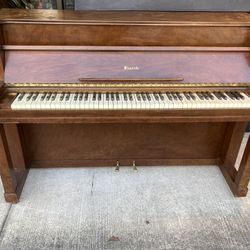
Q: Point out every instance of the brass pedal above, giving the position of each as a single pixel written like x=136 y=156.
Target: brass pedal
x=117 y=168
x=134 y=166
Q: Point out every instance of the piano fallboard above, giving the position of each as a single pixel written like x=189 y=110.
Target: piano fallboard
x=70 y=66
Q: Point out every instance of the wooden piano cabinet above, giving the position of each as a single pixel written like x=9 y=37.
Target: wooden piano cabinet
x=237 y=180
x=148 y=144
x=63 y=47
x=12 y=167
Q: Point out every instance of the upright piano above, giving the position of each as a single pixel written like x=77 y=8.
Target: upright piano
x=86 y=88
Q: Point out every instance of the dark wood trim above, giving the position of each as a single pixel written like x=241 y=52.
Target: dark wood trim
x=12 y=180
x=15 y=146
x=8 y=177
x=123 y=48
x=124 y=116
x=233 y=139
x=243 y=175
x=123 y=162
x=1 y=56
x=237 y=180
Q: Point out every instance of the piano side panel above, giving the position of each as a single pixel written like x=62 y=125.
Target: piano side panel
x=1 y=56
x=126 y=35
x=52 y=145
x=69 y=66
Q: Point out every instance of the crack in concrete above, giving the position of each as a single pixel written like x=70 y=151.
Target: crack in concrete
x=92 y=184
x=4 y=223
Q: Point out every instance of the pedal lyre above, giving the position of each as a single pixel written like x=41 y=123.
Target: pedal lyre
x=134 y=166
x=117 y=168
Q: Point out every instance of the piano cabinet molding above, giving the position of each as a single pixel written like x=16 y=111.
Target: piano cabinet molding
x=1 y=57
x=13 y=179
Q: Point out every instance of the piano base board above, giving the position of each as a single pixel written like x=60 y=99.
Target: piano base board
x=158 y=144
x=122 y=163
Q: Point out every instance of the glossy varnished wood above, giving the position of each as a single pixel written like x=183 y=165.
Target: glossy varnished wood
x=125 y=28
x=243 y=175
x=70 y=66
x=83 y=144
x=1 y=57
x=12 y=179
x=15 y=147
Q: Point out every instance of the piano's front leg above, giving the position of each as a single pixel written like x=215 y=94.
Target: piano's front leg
x=237 y=180
x=12 y=165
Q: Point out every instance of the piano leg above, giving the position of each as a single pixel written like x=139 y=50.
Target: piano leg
x=237 y=179
x=12 y=165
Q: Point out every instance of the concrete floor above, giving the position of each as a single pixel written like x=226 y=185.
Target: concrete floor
x=154 y=208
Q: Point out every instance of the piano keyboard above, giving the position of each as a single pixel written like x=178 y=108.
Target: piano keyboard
x=139 y=100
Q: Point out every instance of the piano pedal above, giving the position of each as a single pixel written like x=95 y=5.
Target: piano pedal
x=117 y=168
x=135 y=167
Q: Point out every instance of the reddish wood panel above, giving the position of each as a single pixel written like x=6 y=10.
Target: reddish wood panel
x=1 y=57
x=15 y=147
x=124 y=35
x=73 y=143
x=69 y=66
x=243 y=176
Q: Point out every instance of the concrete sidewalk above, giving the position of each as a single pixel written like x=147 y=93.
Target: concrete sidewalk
x=154 y=208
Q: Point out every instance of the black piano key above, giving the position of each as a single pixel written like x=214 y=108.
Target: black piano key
x=43 y=96
x=20 y=97
x=86 y=97
x=62 y=96
x=218 y=95
x=138 y=96
x=94 y=97
x=224 y=97
x=99 y=96
x=235 y=95
x=29 y=96
x=148 y=96
x=117 y=96
x=53 y=97
x=161 y=96
x=240 y=95
x=34 y=97
x=107 y=96
x=230 y=95
x=67 y=96
x=156 y=96
x=188 y=97
x=143 y=97
x=169 y=96
x=130 y=96
x=112 y=95
x=179 y=96
x=201 y=97
x=80 y=97
x=125 y=96
x=174 y=96
x=210 y=95
x=48 y=96
x=205 y=95
x=192 y=95
x=75 y=96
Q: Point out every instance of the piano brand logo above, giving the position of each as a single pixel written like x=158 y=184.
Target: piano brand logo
x=131 y=67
